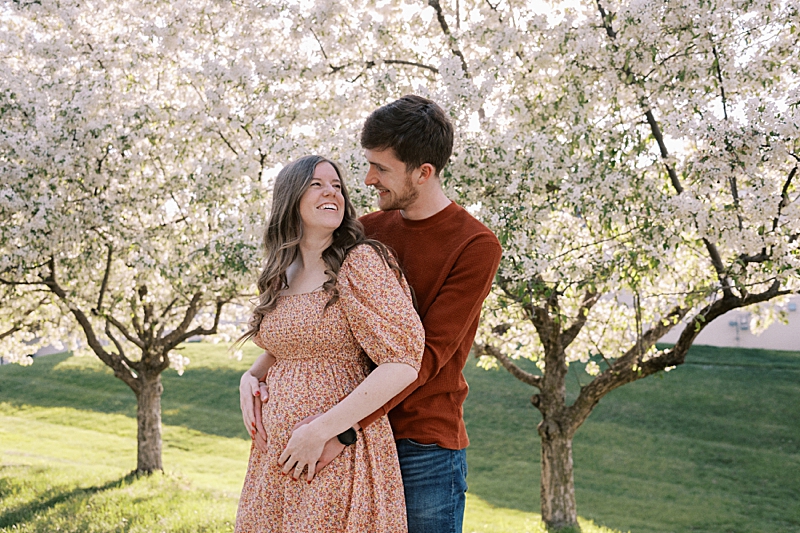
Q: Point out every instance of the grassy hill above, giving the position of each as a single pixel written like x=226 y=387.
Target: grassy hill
x=711 y=446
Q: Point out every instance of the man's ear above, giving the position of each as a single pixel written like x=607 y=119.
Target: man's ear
x=427 y=171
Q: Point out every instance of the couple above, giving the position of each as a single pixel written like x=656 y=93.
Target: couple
x=346 y=344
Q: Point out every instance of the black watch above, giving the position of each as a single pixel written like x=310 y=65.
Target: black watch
x=348 y=437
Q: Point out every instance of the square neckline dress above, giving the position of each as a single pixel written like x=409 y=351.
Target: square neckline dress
x=321 y=356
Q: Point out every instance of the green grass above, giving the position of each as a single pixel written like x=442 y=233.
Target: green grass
x=712 y=446
x=707 y=447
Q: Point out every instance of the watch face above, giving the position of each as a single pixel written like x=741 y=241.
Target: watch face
x=348 y=437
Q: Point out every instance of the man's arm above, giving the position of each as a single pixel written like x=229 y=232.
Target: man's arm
x=452 y=313
x=446 y=323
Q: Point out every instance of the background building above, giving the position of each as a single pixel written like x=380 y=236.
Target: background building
x=733 y=329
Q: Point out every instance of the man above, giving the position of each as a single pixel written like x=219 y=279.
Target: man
x=450 y=260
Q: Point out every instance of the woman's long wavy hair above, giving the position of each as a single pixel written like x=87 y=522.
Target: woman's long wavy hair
x=284 y=232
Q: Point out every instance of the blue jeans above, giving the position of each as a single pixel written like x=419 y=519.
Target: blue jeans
x=435 y=483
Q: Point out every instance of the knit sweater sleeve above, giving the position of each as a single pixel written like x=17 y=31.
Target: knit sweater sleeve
x=457 y=305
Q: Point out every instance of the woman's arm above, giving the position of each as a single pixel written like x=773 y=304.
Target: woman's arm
x=250 y=387
x=306 y=443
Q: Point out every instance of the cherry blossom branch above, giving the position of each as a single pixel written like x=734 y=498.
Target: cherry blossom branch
x=713 y=252
x=508 y=364
x=732 y=178
x=718 y=70
x=104 y=284
x=371 y=63
x=765 y=255
x=569 y=335
x=10 y=331
x=446 y=30
x=409 y=63
x=19 y=325
x=227 y=143
x=179 y=334
x=657 y=135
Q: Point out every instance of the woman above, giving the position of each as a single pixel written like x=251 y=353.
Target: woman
x=332 y=305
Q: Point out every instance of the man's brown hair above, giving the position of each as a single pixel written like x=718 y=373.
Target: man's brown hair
x=416 y=128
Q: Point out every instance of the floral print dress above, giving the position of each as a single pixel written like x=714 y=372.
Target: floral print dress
x=321 y=356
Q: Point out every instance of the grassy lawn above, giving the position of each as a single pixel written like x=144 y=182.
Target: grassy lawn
x=711 y=446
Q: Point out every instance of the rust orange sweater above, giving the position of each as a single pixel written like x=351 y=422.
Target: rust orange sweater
x=450 y=260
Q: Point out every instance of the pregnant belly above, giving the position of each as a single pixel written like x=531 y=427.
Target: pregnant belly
x=299 y=388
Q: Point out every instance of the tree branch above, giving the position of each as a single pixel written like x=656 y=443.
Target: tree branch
x=104 y=284
x=113 y=361
x=411 y=64
x=628 y=369
x=20 y=325
x=508 y=364
x=178 y=335
x=10 y=331
x=785 y=201
x=446 y=30
x=227 y=143
x=718 y=69
x=207 y=331
x=606 y=18
x=656 y=131
x=122 y=329
x=121 y=352
x=568 y=335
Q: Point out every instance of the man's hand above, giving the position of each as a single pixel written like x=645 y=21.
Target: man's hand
x=331 y=450
x=249 y=389
x=260 y=436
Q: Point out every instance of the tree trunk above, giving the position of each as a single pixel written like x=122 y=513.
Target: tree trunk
x=148 y=417
x=558 y=484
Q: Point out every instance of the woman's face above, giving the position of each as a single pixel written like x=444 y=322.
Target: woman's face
x=322 y=205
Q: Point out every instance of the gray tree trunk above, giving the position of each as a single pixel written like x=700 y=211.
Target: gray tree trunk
x=557 y=482
x=148 y=417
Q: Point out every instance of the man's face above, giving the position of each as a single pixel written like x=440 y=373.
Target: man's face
x=387 y=174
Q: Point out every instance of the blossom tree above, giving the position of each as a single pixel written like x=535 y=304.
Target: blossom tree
x=133 y=137
x=638 y=161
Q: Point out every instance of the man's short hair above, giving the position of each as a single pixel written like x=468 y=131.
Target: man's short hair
x=416 y=128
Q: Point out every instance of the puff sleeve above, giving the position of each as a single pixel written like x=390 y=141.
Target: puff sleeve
x=257 y=340
x=379 y=309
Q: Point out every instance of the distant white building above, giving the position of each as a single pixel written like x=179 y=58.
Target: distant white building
x=733 y=329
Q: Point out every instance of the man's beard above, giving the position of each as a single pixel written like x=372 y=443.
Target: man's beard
x=403 y=199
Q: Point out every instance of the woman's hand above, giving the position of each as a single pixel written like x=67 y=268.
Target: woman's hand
x=332 y=448
x=303 y=450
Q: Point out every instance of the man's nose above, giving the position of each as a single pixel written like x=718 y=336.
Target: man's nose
x=370 y=178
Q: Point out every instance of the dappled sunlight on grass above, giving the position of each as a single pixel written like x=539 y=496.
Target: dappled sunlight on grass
x=482 y=517
x=710 y=446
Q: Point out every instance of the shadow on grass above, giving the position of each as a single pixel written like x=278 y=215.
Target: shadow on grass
x=203 y=399
x=51 y=498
